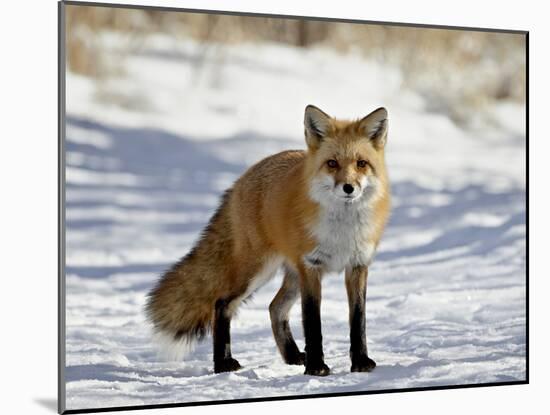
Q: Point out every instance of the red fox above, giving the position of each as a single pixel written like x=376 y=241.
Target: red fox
x=308 y=212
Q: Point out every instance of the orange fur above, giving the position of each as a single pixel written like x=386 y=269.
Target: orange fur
x=269 y=213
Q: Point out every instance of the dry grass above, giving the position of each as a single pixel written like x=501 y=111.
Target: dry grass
x=447 y=66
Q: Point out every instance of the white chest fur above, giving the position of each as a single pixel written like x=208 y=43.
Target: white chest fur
x=343 y=233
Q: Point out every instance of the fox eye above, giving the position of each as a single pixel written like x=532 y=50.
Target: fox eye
x=362 y=163
x=332 y=164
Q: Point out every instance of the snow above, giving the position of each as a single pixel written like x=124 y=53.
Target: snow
x=150 y=152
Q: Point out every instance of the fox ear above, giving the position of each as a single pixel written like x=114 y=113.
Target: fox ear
x=316 y=124
x=375 y=126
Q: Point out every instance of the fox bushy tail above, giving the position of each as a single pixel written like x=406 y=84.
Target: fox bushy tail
x=181 y=305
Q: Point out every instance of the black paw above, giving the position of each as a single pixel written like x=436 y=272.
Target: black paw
x=317 y=370
x=363 y=364
x=295 y=359
x=226 y=365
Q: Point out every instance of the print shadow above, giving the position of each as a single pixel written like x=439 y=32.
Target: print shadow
x=49 y=403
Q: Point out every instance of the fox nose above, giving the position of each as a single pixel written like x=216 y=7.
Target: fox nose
x=348 y=188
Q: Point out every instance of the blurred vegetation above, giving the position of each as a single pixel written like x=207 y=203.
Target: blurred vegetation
x=447 y=66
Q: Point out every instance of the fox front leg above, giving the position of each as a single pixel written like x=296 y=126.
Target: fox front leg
x=356 y=287
x=310 y=288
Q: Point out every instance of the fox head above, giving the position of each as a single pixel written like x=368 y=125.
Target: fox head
x=345 y=158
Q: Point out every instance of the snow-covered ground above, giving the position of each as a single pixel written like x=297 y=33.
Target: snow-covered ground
x=149 y=153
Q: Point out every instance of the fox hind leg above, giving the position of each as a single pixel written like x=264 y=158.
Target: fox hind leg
x=253 y=275
x=278 y=310
x=223 y=361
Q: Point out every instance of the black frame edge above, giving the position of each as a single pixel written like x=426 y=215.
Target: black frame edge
x=527 y=206
x=61 y=384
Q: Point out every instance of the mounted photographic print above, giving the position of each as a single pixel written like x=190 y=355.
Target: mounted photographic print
x=258 y=207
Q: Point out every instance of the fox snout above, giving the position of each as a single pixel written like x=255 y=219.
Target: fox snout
x=327 y=190
x=350 y=189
